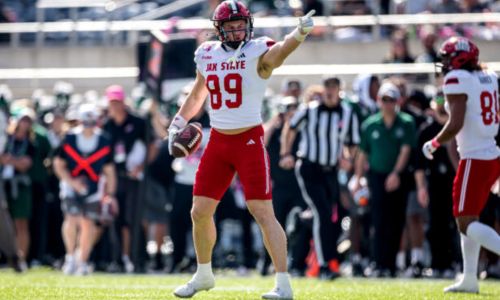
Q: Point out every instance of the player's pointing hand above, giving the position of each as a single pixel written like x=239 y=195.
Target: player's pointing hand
x=306 y=23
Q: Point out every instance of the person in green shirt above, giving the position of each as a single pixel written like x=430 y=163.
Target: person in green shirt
x=387 y=139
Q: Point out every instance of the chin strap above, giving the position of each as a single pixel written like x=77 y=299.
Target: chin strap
x=236 y=53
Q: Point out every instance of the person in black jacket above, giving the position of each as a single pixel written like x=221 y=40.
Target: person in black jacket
x=434 y=181
x=287 y=195
x=131 y=142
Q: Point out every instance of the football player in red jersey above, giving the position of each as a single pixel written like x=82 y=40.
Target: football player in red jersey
x=474 y=118
x=233 y=71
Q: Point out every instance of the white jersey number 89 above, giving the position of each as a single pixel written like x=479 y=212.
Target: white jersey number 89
x=232 y=86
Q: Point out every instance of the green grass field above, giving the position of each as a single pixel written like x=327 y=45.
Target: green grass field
x=46 y=284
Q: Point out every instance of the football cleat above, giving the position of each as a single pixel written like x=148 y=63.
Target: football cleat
x=279 y=293
x=194 y=286
x=469 y=286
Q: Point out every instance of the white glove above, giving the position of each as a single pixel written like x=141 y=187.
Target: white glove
x=430 y=147
x=306 y=25
x=178 y=123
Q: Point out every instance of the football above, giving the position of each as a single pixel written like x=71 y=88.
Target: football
x=187 y=141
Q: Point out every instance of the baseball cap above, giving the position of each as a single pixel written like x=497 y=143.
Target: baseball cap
x=390 y=90
x=88 y=115
x=286 y=103
x=115 y=93
x=26 y=112
x=289 y=100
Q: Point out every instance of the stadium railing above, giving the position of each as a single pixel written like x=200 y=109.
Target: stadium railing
x=267 y=22
x=285 y=70
x=135 y=26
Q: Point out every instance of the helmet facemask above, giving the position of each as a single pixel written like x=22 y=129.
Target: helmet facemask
x=224 y=34
x=442 y=66
x=232 y=11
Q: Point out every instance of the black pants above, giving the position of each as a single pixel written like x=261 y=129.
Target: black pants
x=320 y=190
x=388 y=211
x=130 y=196
x=180 y=220
x=442 y=234
x=285 y=198
x=228 y=209
x=55 y=218
x=38 y=222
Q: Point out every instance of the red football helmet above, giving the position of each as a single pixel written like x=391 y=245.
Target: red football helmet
x=458 y=53
x=232 y=10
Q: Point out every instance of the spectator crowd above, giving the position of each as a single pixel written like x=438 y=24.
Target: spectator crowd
x=27 y=11
x=344 y=210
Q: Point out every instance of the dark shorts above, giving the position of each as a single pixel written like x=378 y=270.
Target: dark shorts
x=78 y=206
x=157 y=205
x=414 y=208
x=225 y=155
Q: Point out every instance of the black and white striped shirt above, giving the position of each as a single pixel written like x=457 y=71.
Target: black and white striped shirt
x=324 y=131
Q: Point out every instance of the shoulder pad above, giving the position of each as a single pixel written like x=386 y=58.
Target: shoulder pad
x=205 y=48
x=456 y=76
x=457 y=82
x=257 y=47
x=264 y=40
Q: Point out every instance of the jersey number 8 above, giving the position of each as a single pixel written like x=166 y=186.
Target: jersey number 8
x=490 y=108
x=232 y=85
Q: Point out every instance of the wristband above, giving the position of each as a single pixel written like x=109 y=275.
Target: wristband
x=179 y=121
x=435 y=143
x=297 y=35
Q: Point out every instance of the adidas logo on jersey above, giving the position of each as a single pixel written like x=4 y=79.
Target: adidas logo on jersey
x=242 y=55
x=250 y=142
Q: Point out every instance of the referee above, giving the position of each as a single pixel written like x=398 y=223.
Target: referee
x=325 y=128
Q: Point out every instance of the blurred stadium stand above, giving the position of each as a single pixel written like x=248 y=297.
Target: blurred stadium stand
x=104 y=34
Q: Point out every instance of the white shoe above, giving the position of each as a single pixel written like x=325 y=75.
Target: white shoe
x=128 y=265
x=278 y=293
x=83 y=269
x=194 y=286
x=469 y=286
x=69 y=267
